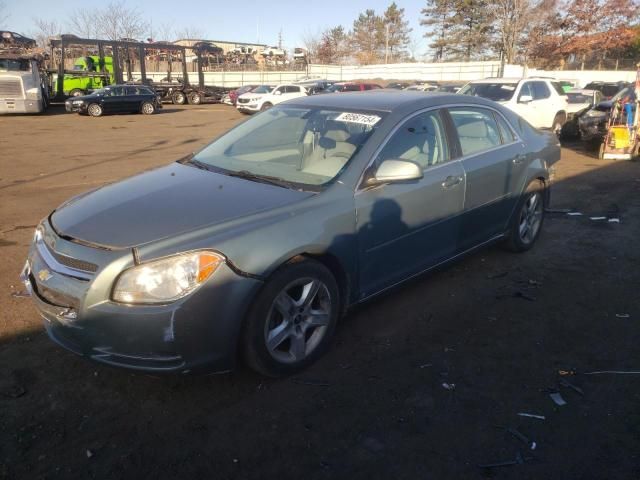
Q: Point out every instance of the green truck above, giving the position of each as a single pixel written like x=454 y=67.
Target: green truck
x=89 y=73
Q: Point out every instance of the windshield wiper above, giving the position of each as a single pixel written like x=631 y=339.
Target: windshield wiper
x=247 y=175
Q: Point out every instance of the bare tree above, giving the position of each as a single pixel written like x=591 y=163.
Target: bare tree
x=164 y=33
x=82 y=22
x=45 y=30
x=119 y=21
x=190 y=33
x=311 y=42
x=509 y=18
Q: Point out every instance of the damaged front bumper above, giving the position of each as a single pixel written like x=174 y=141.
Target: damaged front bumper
x=196 y=333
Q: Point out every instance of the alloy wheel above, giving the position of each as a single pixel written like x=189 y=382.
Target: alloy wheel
x=530 y=218
x=297 y=320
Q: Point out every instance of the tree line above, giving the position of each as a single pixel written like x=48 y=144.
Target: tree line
x=541 y=33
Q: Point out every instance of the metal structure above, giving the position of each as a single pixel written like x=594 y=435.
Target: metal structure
x=122 y=52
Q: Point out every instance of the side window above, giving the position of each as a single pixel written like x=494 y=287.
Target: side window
x=351 y=88
x=293 y=89
x=420 y=139
x=131 y=90
x=477 y=129
x=505 y=131
x=281 y=90
x=558 y=88
x=526 y=90
x=117 y=91
x=540 y=91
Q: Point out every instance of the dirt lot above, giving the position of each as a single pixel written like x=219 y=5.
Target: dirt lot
x=499 y=326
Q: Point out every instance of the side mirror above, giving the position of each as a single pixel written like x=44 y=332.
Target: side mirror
x=277 y=92
x=525 y=99
x=397 y=170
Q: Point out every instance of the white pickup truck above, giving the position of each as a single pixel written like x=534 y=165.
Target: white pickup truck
x=266 y=96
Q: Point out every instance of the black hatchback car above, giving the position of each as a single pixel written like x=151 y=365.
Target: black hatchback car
x=116 y=99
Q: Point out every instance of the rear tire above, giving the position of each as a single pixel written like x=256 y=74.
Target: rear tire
x=178 y=98
x=291 y=321
x=526 y=224
x=195 y=98
x=148 y=108
x=95 y=110
x=557 y=124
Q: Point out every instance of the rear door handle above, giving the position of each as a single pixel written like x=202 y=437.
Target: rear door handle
x=451 y=181
x=521 y=157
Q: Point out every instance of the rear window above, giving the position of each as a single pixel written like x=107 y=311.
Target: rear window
x=557 y=86
x=610 y=90
x=498 y=92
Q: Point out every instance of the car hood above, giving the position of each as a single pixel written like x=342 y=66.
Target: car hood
x=162 y=203
x=577 y=107
x=84 y=97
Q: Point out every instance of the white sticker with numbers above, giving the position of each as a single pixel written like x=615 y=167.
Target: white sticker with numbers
x=360 y=118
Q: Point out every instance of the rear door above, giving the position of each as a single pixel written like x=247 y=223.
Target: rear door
x=133 y=98
x=494 y=162
x=405 y=228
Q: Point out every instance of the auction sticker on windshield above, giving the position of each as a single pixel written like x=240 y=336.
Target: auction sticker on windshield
x=360 y=118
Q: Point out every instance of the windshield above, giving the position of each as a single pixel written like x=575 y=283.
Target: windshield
x=303 y=146
x=578 y=98
x=498 y=92
x=15 y=65
x=262 y=89
x=625 y=92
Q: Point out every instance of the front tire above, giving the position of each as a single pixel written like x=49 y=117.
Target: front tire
x=558 y=121
x=95 y=110
x=148 y=108
x=178 y=98
x=292 y=320
x=528 y=218
x=76 y=92
x=265 y=106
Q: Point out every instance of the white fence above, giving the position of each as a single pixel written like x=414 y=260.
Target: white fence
x=453 y=71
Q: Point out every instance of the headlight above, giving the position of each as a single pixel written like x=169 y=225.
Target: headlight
x=595 y=114
x=166 y=280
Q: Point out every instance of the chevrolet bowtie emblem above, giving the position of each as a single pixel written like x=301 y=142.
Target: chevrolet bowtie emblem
x=44 y=275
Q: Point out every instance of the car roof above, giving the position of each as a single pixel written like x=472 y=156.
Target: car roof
x=511 y=79
x=384 y=100
x=584 y=91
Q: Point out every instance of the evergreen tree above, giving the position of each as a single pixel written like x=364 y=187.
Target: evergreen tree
x=438 y=17
x=471 y=29
x=368 y=37
x=396 y=31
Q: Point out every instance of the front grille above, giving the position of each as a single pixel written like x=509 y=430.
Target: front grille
x=53 y=296
x=73 y=262
x=243 y=100
x=10 y=87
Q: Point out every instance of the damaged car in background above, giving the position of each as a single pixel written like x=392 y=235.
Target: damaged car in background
x=255 y=246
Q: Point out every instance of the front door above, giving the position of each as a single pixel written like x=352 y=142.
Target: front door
x=405 y=228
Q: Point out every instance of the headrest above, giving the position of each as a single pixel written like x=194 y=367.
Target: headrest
x=476 y=129
x=327 y=143
x=337 y=135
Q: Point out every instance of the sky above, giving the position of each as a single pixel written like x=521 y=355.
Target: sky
x=229 y=21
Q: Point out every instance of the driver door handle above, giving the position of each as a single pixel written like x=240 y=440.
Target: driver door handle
x=521 y=157
x=451 y=181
